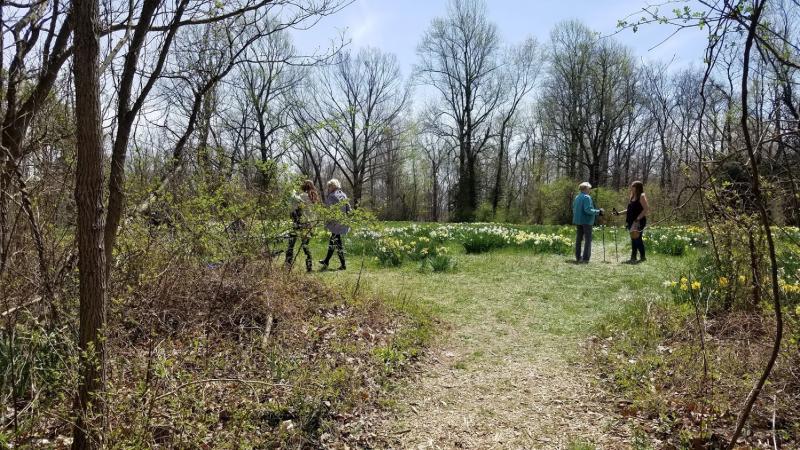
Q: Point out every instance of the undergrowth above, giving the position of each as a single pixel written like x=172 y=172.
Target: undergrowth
x=681 y=391
x=218 y=356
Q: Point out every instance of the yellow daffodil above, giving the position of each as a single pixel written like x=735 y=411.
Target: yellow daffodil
x=723 y=281
x=695 y=285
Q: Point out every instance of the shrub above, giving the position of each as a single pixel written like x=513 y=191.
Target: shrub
x=544 y=243
x=484 y=213
x=483 y=240
x=420 y=248
x=389 y=252
x=362 y=242
x=441 y=262
x=666 y=243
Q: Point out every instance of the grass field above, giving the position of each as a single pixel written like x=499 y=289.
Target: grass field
x=507 y=368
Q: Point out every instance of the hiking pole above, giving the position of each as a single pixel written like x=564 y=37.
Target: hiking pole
x=603 y=230
x=616 y=250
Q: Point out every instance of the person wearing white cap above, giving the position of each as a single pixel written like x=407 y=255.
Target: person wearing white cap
x=583 y=216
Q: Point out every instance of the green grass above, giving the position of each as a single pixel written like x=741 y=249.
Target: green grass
x=538 y=297
x=580 y=444
x=512 y=308
x=512 y=304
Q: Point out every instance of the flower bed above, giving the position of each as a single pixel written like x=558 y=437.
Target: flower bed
x=428 y=243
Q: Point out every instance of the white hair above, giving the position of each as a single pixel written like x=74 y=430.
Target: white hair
x=335 y=183
x=585 y=185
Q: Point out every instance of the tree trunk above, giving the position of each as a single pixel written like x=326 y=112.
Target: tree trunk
x=5 y=230
x=125 y=119
x=435 y=192
x=89 y=403
x=498 y=179
x=463 y=212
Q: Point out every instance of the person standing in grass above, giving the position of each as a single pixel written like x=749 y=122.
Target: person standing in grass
x=583 y=216
x=302 y=223
x=336 y=197
x=636 y=220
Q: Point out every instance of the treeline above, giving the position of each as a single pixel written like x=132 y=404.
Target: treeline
x=481 y=129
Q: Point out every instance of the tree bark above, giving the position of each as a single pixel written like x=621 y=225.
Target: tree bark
x=89 y=403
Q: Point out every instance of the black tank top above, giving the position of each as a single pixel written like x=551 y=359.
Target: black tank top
x=634 y=209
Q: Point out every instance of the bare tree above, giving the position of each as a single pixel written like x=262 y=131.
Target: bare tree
x=437 y=149
x=268 y=86
x=517 y=80
x=459 y=60
x=586 y=98
x=360 y=99
x=38 y=38
x=563 y=100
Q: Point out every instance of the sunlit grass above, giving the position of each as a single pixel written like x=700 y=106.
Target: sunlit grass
x=539 y=297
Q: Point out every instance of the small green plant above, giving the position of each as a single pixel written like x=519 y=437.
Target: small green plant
x=441 y=262
x=581 y=444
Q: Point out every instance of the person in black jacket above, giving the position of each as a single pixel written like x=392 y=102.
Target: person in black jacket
x=636 y=220
x=302 y=223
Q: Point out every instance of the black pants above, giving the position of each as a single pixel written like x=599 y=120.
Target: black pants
x=335 y=243
x=304 y=239
x=637 y=245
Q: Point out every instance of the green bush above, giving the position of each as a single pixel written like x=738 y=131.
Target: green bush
x=32 y=358
x=609 y=199
x=479 y=241
x=484 y=213
x=556 y=201
x=665 y=243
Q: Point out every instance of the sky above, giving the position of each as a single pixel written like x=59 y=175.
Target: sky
x=397 y=26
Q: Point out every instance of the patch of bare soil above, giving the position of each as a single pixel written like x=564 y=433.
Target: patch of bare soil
x=501 y=389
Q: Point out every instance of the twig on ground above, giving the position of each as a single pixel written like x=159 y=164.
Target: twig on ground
x=219 y=380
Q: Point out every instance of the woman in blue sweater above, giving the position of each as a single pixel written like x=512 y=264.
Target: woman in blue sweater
x=583 y=215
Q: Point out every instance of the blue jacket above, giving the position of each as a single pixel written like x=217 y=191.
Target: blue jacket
x=583 y=210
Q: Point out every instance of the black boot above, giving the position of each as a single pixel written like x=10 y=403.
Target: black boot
x=640 y=248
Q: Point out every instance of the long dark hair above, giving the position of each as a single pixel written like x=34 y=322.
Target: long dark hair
x=308 y=188
x=638 y=189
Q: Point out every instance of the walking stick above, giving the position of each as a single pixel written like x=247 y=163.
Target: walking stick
x=616 y=250
x=603 y=230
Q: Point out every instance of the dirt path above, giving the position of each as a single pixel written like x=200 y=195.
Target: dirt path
x=510 y=398
x=509 y=372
